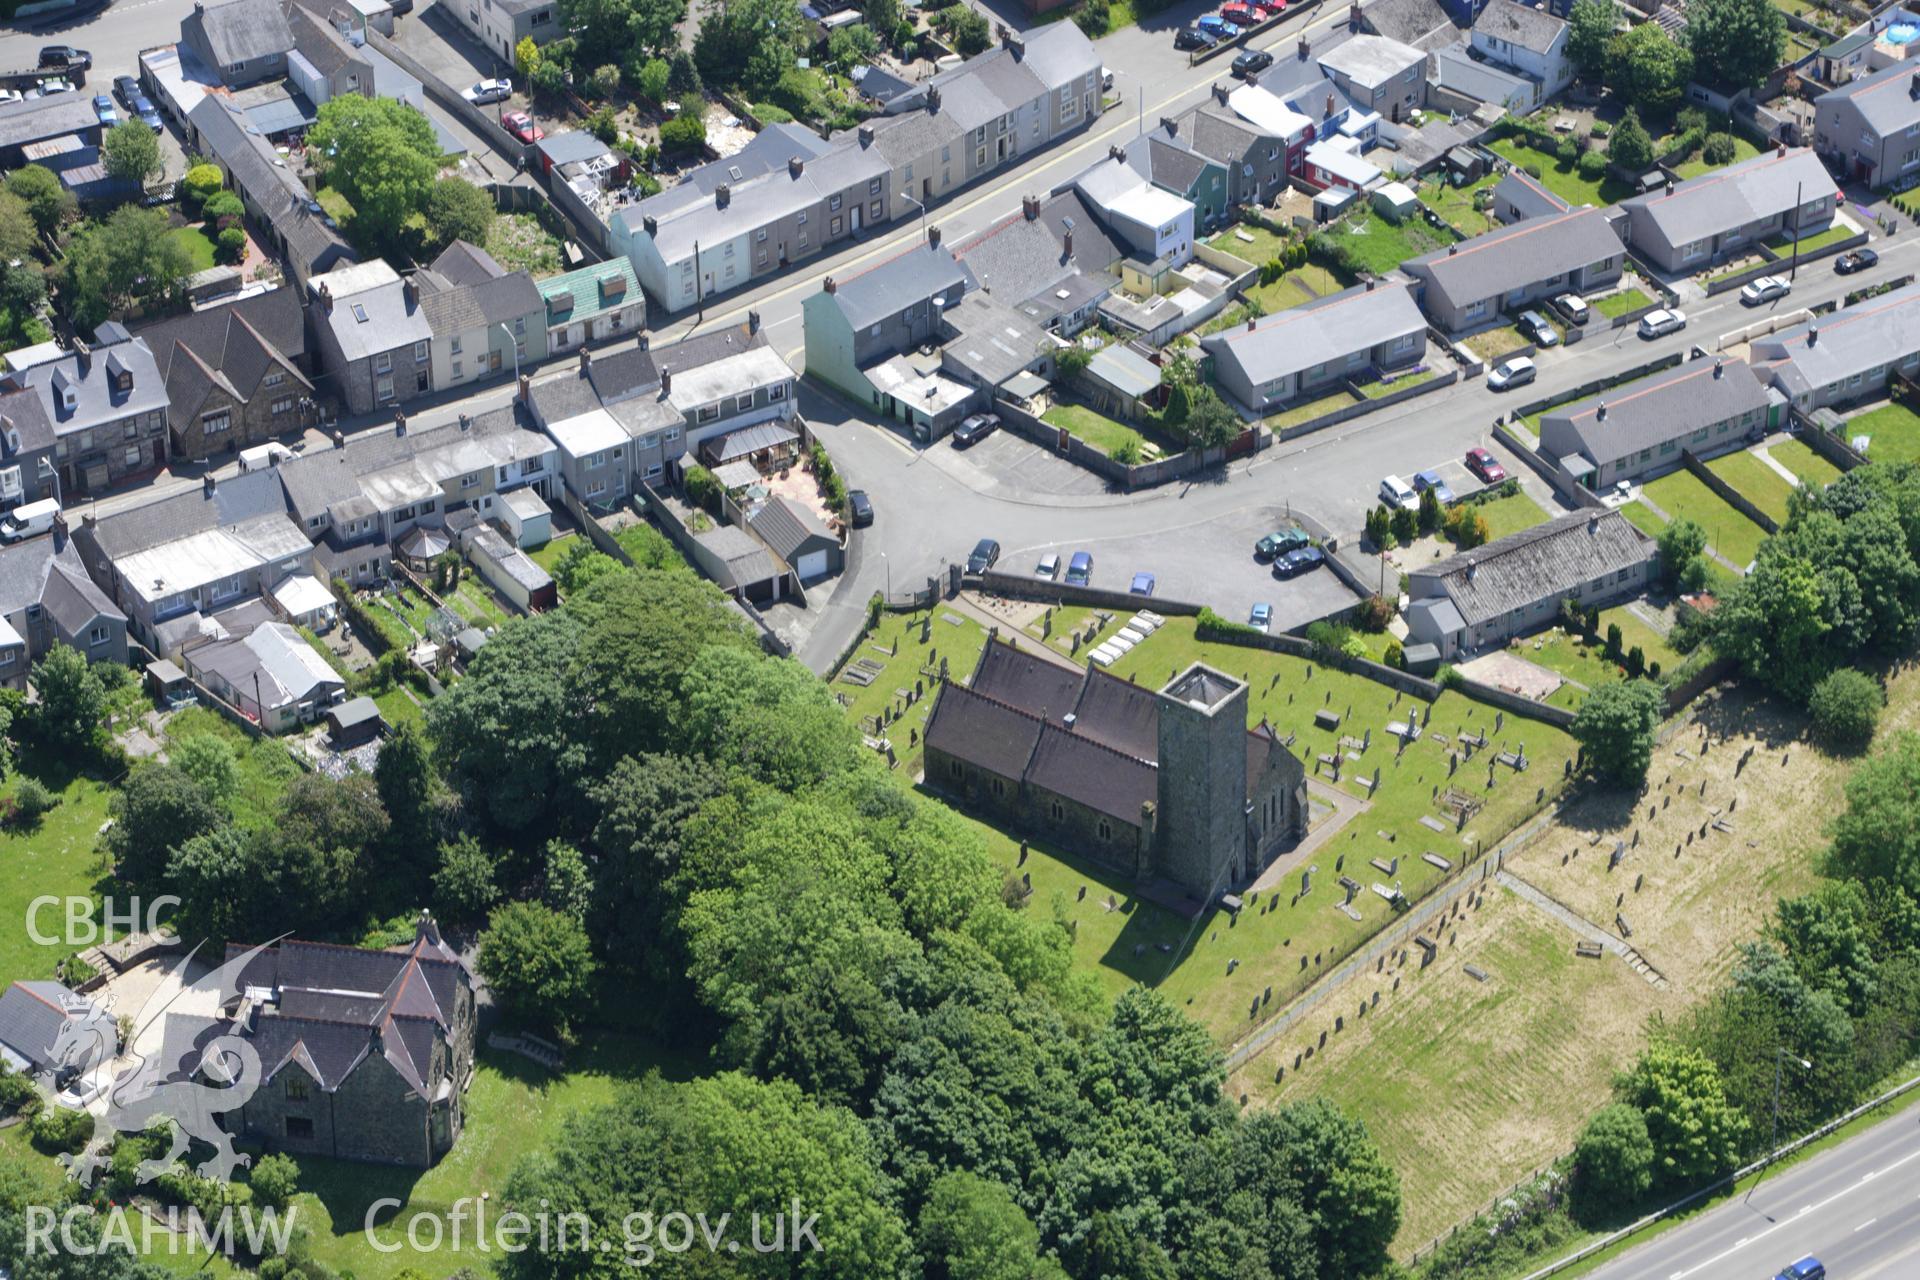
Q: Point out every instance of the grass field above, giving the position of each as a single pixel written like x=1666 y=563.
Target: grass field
x=1681 y=493
x=1757 y=482
x=1455 y=204
x=1260 y=246
x=1564 y=181
x=1511 y=514
x=1618 y=304
x=1098 y=430
x=1892 y=431
x=905 y=644
x=1696 y=164
x=1308 y=410
x=1382 y=246
x=1800 y=459
x=56 y=858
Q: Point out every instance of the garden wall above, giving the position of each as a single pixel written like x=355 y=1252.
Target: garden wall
x=1833 y=448
x=1365 y=406
x=1144 y=476
x=1734 y=498
x=1507 y=700
x=1020 y=587
x=1773 y=258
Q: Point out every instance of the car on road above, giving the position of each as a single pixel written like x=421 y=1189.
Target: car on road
x=1261 y=618
x=986 y=553
x=1080 y=569
x=1215 y=25
x=486 y=91
x=1396 y=492
x=1515 y=371
x=1142 y=585
x=104 y=112
x=1295 y=563
x=1485 y=465
x=1239 y=13
x=861 y=506
x=1280 y=541
x=1658 y=324
x=974 y=429
x=1573 y=308
x=521 y=126
x=1425 y=480
x=1049 y=567
x=143 y=110
x=1251 y=61
x=1808 y=1268
x=1855 y=260
x=1537 y=328
x=1194 y=38
x=50 y=86
x=65 y=55
x=126 y=88
x=1765 y=289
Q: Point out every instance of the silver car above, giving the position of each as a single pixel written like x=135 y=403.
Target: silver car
x=1658 y=324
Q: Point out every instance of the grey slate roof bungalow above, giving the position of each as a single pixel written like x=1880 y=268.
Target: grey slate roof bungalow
x=241 y=41
x=1694 y=223
x=1846 y=356
x=1271 y=360
x=1483 y=597
x=1468 y=284
x=31 y=1015
x=1640 y=430
x=1518 y=197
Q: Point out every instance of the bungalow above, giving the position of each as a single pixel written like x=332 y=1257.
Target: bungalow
x=1695 y=223
x=1469 y=284
x=1636 y=431
x=1293 y=353
x=270 y=673
x=1844 y=357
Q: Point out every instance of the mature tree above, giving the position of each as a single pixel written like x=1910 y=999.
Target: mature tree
x=1695 y=1134
x=968 y=28
x=1830 y=935
x=526 y=62
x=209 y=760
x=1613 y=1160
x=213 y=874
x=566 y=882
x=1736 y=44
x=458 y=210
x=772 y=718
x=1776 y=623
x=853 y=46
x=651 y=80
x=749 y=43
x=73 y=701
x=403 y=778
x=1647 y=68
x=1877 y=835
x=132 y=153
x=274 y=1179
x=538 y=963
x=652 y=26
x=128 y=259
x=464 y=886
x=1210 y=423
x=1590 y=28
x=49 y=203
x=1615 y=728
x=973 y=1229
x=382 y=155
x=643 y=805
x=1845 y=707
x=580 y=565
x=1683 y=553
x=158 y=809
x=312 y=865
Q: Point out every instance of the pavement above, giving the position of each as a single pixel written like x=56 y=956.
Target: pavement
x=1852 y=1207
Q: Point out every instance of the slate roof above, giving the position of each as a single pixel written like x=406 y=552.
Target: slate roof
x=267 y=181
x=381 y=466
x=982 y=730
x=905 y=139
x=181 y=515
x=1545 y=561
x=48 y=572
x=1018 y=678
x=1712 y=203
x=1647 y=413
x=1071 y=764
x=272 y=659
x=461 y=263
x=31 y=1015
x=1059 y=54
x=1527 y=198
x=370 y=311
x=462 y=308
x=242 y=30
x=1093 y=249
x=913 y=276
x=36 y=119
x=1517 y=256
x=22 y=409
x=1222 y=135
x=96 y=400
x=1518 y=24
x=1330 y=329
x=1421 y=23
x=316 y=40
x=1884 y=100
x=1879 y=331
x=222 y=347
x=1016 y=258
x=1166 y=158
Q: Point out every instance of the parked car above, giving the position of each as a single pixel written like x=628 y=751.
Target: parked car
x=1279 y=542
x=1573 y=308
x=11 y=95
x=1080 y=569
x=1194 y=38
x=1215 y=25
x=1765 y=289
x=127 y=88
x=1425 y=480
x=1261 y=618
x=50 y=86
x=1268 y=8
x=1295 y=563
x=65 y=55
x=1538 y=329
x=1808 y=1268
x=986 y=553
x=488 y=91
x=1855 y=260
x=1658 y=324
x=521 y=126
x=1253 y=60
x=1239 y=13
x=104 y=112
x=1048 y=568
x=145 y=112
x=1485 y=465
x=974 y=429
x=1516 y=371
x=1142 y=585
x=1396 y=492
x=862 y=507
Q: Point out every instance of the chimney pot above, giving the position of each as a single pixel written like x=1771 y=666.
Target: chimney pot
x=399 y=422
x=753 y=322
x=646 y=342
x=411 y=292
x=933 y=237
x=933 y=99
x=1030 y=207
x=1813 y=334
x=466 y=422
x=1600 y=411
x=795 y=166
x=526 y=388
x=1220 y=92
x=1719 y=368
x=666 y=382
x=326 y=299
x=1781 y=150
x=650 y=224
x=1305 y=48
x=586 y=361
x=209 y=484
x=866 y=135
x=828 y=285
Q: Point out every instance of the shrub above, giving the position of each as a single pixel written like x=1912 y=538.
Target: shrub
x=683 y=134
x=274 y=1180
x=1396 y=655
x=603 y=80
x=18 y=1094
x=1613 y=642
x=1332 y=638
x=200 y=183
x=1130 y=450
x=1636 y=662
x=1846 y=707
x=703 y=489
x=1374 y=613
x=1613 y=1161
x=1092 y=17
x=230 y=245
x=1720 y=149
x=221 y=206
x=32 y=801
x=1568 y=152
x=1592 y=164
x=61 y=1129
x=602 y=124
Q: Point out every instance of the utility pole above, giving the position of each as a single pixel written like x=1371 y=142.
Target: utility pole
x=1794 y=269
x=1780 y=1056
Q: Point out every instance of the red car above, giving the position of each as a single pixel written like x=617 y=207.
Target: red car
x=1267 y=8
x=1241 y=15
x=521 y=126
x=1484 y=465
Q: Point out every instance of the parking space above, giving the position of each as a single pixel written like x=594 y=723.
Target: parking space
x=1005 y=463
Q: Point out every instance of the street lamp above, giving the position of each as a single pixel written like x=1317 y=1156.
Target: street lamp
x=1780 y=1056
x=921 y=207
x=889 y=567
x=502 y=327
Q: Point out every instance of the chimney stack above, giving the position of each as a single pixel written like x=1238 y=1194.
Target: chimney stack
x=1473 y=567
x=1371 y=281
x=1781 y=151
x=411 y=292
x=650 y=224
x=1306 y=48
x=1669 y=186
x=339 y=439
x=586 y=362
x=1117 y=154
x=827 y=285
x=1066 y=237
x=208 y=484
x=753 y=323
x=326 y=299
x=83 y=356
x=933 y=237
x=1600 y=411
x=466 y=422
x=1813 y=334
x=1719 y=368
x=666 y=382
x=795 y=166
x=1593 y=525
x=933 y=98
x=1030 y=207
x=1452 y=249
x=646 y=342
x=866 y=136
x=1328 y=115
x=722 y=194
x=526 y=388
x=1220 y=93
x=1353 y=16
x=1250 y=323
x=399 y=422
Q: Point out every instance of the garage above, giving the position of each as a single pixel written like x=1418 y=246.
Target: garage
x=798 y=536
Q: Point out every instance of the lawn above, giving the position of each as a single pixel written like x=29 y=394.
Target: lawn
x=1250 y=242
x=1381 y=246
x=1492 y=344
x=337 y=206
x=1809 y=244
x=909 y=648
x=1455 y=204
x=1511 y=514
x=1310 y=409
x=265 y=765
x=1374 y=388
x=1757 y=482
x=199 y=248
x=1098 y=430
x=1892 y=431
x=548 y=554
x=1649 y=522
x=1565 y=652
x=1058 y=625
x=1618 y=304
x=1731 y=534
x=1696 y=164
x=475 y=601
x=1799 y=458
x=56 y=858
x=1563 y=180
x=400 y=705
x=1285 y=292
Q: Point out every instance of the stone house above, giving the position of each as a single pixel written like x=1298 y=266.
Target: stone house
x=485 y=320
x=234 y=373
x=285 y=217
x=108 y=406
x=501 y=25
x=241 y=41
x=375 y=342
x=46 y=598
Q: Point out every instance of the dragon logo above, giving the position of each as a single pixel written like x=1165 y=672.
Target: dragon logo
x=149 y=1090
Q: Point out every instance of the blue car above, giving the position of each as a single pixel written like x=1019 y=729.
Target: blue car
x=1424 y=480
x=1807 y=1268
x=103 y=109
x=144 y=112
x=1214 y=24
x=1295 y=563
x=1142 y=584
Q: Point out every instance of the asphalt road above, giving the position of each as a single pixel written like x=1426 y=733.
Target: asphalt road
x=1853 y=1207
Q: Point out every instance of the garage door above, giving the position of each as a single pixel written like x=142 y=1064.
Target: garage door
x=812 y=565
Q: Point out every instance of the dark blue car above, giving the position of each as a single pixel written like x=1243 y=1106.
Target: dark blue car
x=1808 y=1268
x=1295 y=563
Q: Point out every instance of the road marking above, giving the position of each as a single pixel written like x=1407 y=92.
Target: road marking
x=1745 y=1240
x=1863 y=1226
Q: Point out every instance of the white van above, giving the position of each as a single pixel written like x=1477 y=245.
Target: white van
x=263 y=456
x=1396 y=492
x=28 y=520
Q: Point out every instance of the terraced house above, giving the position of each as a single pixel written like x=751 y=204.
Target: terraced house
x=1640 y=430
x=1845 y=357
x=235 y=373
x=1870 y=128
x=1470 y=284
x=108 y=407
x=1693 y=224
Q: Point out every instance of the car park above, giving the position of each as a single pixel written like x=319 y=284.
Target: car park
x=1765 y=289
x=974 y=429
x=1049 y=567
x=1279 y=542
x=521 y=126
x=1538 y=329
x=861 y=506
x=1573 y=308
x=1295 y=563
x=486 y=91
x=1142 y=585
x=1251 y=61
x=1194 y=38
x=1658 y=324
x=1485 y=465
x=1808 y=1268
x=1425 y=480
x=1215 y=25
x=1855 y=260
x=1080 y=569
x=1396 y=492
x=1261 y=618
x=986 y=553
x=104 y=112
x=1514 y=371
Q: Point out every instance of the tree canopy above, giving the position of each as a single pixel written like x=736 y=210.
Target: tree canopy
x=382 y=155
x=1736 y=44
x=1615 y=728
x=1647 y=68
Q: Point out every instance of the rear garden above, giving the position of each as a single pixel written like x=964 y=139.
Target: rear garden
x=1892 y=432
x=1114 y=438
x=1369 y=242
x=1563 y=179
x=1681 y=494
x=1800 y=459
x=1757 y=482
